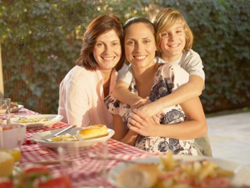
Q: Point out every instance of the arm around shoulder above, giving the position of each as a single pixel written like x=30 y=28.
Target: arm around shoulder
x=122 y=93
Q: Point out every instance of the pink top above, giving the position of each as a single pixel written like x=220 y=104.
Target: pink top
x=81 y=98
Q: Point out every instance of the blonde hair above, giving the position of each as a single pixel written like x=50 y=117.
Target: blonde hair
x=165 y=19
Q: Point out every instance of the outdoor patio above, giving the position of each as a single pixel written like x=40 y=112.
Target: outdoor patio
x=230 y=137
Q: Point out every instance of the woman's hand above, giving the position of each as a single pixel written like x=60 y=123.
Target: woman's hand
x=141 y=123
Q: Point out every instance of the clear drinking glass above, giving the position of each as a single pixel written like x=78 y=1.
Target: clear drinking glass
x=11 y=138
x=5 y=109
x=85 y=166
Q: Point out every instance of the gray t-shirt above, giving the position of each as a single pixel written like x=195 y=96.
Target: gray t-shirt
x=190 y=61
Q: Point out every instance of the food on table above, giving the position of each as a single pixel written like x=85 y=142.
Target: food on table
x=93 y=131
x=6 y=183
x=176 y=173
x=12 y=105
x=59 y=181
x=34 y=176
x=40 y=176
x=7 y=127
x=138 y=176
x=6 y=164
x=64 y=138
x=38 y=169
x=30 y=120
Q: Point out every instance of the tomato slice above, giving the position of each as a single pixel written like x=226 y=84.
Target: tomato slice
x=35 y=169
x=6 y=183
x=56 y=182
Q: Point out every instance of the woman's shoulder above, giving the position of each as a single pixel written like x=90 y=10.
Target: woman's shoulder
x=78 y=71
x=79 y=74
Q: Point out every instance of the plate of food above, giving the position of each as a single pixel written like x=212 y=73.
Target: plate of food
x=175 y=171
x=35 y=121
x=14 y=107
x=75 y=137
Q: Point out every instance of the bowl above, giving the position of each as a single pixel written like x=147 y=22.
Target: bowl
x=12 y=136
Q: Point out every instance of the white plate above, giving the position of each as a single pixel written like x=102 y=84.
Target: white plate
x=48 y=134
x=51 y=119
x=116 y=170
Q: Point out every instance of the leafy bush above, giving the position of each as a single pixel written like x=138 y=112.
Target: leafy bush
x=41 y=41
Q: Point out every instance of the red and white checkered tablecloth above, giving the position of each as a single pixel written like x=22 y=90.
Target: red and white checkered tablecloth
x=31 y=131
x=82 y=177
x=35 y=152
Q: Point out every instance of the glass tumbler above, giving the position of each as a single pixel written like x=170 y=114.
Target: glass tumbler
x=85 y=166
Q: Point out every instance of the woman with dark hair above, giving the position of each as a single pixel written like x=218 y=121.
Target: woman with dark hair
x=180 y=124
x=84 y=88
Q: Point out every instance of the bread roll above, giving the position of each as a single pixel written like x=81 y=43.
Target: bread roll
x=138 y=176
x=93 y=131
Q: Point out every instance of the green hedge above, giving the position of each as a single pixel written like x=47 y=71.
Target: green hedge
x=40 y=42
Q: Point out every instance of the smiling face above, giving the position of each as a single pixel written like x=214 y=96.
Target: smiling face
x=173 y=41
x=140 y=45
x=107 y=51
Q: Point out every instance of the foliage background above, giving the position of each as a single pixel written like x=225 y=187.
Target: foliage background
x=41 y=41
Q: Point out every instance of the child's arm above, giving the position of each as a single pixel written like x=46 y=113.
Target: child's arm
x=193 y=88
x=122 y=94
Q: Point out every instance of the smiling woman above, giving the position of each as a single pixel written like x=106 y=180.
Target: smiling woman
x=178 y=125
x=84 y=88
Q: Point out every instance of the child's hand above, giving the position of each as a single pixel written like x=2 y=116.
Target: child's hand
x=140 y=102
x=157 y=118
x=150 y=109
x=142 y=124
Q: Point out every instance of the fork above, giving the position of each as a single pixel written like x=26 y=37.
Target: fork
x=93 y=156
x=60 y=132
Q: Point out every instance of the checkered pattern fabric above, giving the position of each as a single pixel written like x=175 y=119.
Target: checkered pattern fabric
x=83 y=171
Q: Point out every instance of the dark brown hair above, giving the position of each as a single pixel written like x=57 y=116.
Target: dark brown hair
x=98 y=26
x=138 y=20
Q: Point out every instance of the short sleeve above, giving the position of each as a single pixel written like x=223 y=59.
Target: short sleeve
x=192 y=63
x=127 y=76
